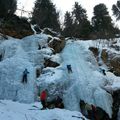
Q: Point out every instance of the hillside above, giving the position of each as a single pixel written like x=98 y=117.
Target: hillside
x=46 y=56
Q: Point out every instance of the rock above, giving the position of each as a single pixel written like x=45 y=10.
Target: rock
x=116 y=104
x=104 y=55
x=3 y=37
x=50 y=32
x=49 y=63
x=112 y=61
x=38 y=72
x=116 y=47
x=115 y=64
x=49 y=39
x=95 y=51
x=16 y=27
x=37 y=29
x=57 y=44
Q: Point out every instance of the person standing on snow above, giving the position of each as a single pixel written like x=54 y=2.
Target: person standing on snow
x=24 y=80
x=43 y=98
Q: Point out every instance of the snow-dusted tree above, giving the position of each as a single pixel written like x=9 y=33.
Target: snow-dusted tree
x=102 y=22
x=7 y=7
x=116 y=10
x=45 y=14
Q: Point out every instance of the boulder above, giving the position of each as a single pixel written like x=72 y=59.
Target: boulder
x=57 y=44
x=112 y=61
x=94 y=51
x=109 y=58
x=37 y=29
x=16 y=27
x=115 y=64
x=116 y=47
x=116 y=104
x=50 y=63
x=104 y=55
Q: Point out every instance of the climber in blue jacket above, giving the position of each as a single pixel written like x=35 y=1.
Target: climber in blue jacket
x=24 y=80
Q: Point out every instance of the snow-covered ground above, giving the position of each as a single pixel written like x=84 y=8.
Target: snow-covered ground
x=16 y=111
x=86 y=82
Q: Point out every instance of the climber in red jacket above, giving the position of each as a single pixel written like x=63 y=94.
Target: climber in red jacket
x=43 y=98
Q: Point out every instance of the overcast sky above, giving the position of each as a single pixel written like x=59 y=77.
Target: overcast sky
x=67 y=5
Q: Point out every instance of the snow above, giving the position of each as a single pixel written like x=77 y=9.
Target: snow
x=31 y=43
x=16 y=111
x=114 y=81
x=54 y=79
x=32 y=27
x=85 y=83
x=18 y=55
x=10 y=80
x=56 y=58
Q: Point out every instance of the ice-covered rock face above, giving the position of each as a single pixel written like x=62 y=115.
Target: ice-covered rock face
x=34 y=42
x=11 y=86
x=16 y=56
x=54 y=80
x=8 y=48
x=86 y=81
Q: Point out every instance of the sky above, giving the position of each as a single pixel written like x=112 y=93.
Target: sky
x=67 y=5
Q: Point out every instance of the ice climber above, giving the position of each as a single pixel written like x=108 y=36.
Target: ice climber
x=43 y=98
x=69 y=68
x=94 y=113
x=59 y=102
x=24 y=80
x=102 y=71
x=0 y=57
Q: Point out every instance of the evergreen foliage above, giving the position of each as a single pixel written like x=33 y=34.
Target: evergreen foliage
x=81 y=24
x=79 y=13
x=45 y=15
x=77 y=25
x=68 y=24
x=102 y=22
x=7 y=7
x=116 y=10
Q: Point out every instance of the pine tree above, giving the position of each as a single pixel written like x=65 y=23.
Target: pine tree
x=7 y=7
x=102 y=22
x=81 y=24
x=79 y=13
x=116 y=10
x=45 y=15
x=68 y=25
